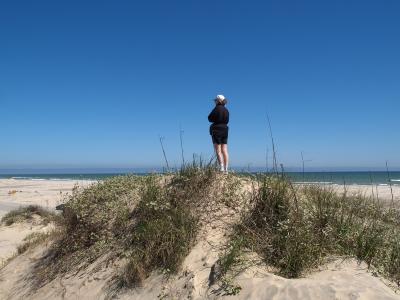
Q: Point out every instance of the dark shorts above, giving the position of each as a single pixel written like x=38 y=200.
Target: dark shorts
x=219 y=135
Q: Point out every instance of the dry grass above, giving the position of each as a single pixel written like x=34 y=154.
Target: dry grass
x=295 y=228
x=151 y=222
x=163 y=232
x=34 y=239
x=27 y=213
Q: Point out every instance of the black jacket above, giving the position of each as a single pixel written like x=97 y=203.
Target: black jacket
x=219 y=117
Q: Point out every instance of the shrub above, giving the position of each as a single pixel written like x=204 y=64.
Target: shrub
x=295 y=228
x=151 y=221
x=162 y=235
x=27 y=213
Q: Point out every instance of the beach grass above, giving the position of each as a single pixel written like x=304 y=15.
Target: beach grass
x=34 y=239
x=162 y=234
x=295 y=228
x=150 y=224
x=27 y=213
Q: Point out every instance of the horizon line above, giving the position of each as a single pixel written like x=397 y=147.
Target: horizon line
x=118 y=170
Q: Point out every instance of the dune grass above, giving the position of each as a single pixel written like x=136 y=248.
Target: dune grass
x=93 y=221
x=150 y=222
x=34 y=239
x=166 y=222
x=27 y=213
x=162 y=234
x=294 y=229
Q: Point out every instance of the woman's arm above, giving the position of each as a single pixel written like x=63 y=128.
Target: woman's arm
x=212 y=117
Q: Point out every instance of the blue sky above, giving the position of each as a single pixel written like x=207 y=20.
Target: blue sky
x=94 y=83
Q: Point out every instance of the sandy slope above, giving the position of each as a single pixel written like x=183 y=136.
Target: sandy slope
x=336 y=280
x=15 y=193
x=13 y=235
x=46 y=193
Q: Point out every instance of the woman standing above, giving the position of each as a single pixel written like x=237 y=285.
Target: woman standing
x=219 y=117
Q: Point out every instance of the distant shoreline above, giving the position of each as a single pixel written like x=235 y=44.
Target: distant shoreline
x=335 y=178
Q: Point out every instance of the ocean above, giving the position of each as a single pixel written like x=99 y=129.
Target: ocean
x=360 y=178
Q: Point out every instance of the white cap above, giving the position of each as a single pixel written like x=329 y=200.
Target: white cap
x=220 y=97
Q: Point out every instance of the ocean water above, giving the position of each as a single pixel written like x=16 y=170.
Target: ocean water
x=360 y=178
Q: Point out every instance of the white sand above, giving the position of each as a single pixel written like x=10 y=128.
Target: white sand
x=336 y=280
x=46 y=193
x=381 y=192
x=12 y=236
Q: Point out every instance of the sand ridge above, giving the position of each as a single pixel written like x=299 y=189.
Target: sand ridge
x=337 y=279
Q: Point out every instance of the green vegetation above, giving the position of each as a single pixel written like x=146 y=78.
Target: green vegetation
x=150 y=223
x=94 y=222
x=162 y=235
x=230 y=264
x=294 y=228
x=27 y=213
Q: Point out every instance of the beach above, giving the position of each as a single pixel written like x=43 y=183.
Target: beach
x=15 y=193
x=46 y=193
x=329 y=281
x=50 y=193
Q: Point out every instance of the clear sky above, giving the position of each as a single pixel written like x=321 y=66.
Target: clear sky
x=94 y=83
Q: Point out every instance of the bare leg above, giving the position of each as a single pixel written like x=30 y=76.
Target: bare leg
x=224 y=149
x=218 y=152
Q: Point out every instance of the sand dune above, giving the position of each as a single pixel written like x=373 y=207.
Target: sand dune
x=336 y=280
x=46 y=193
